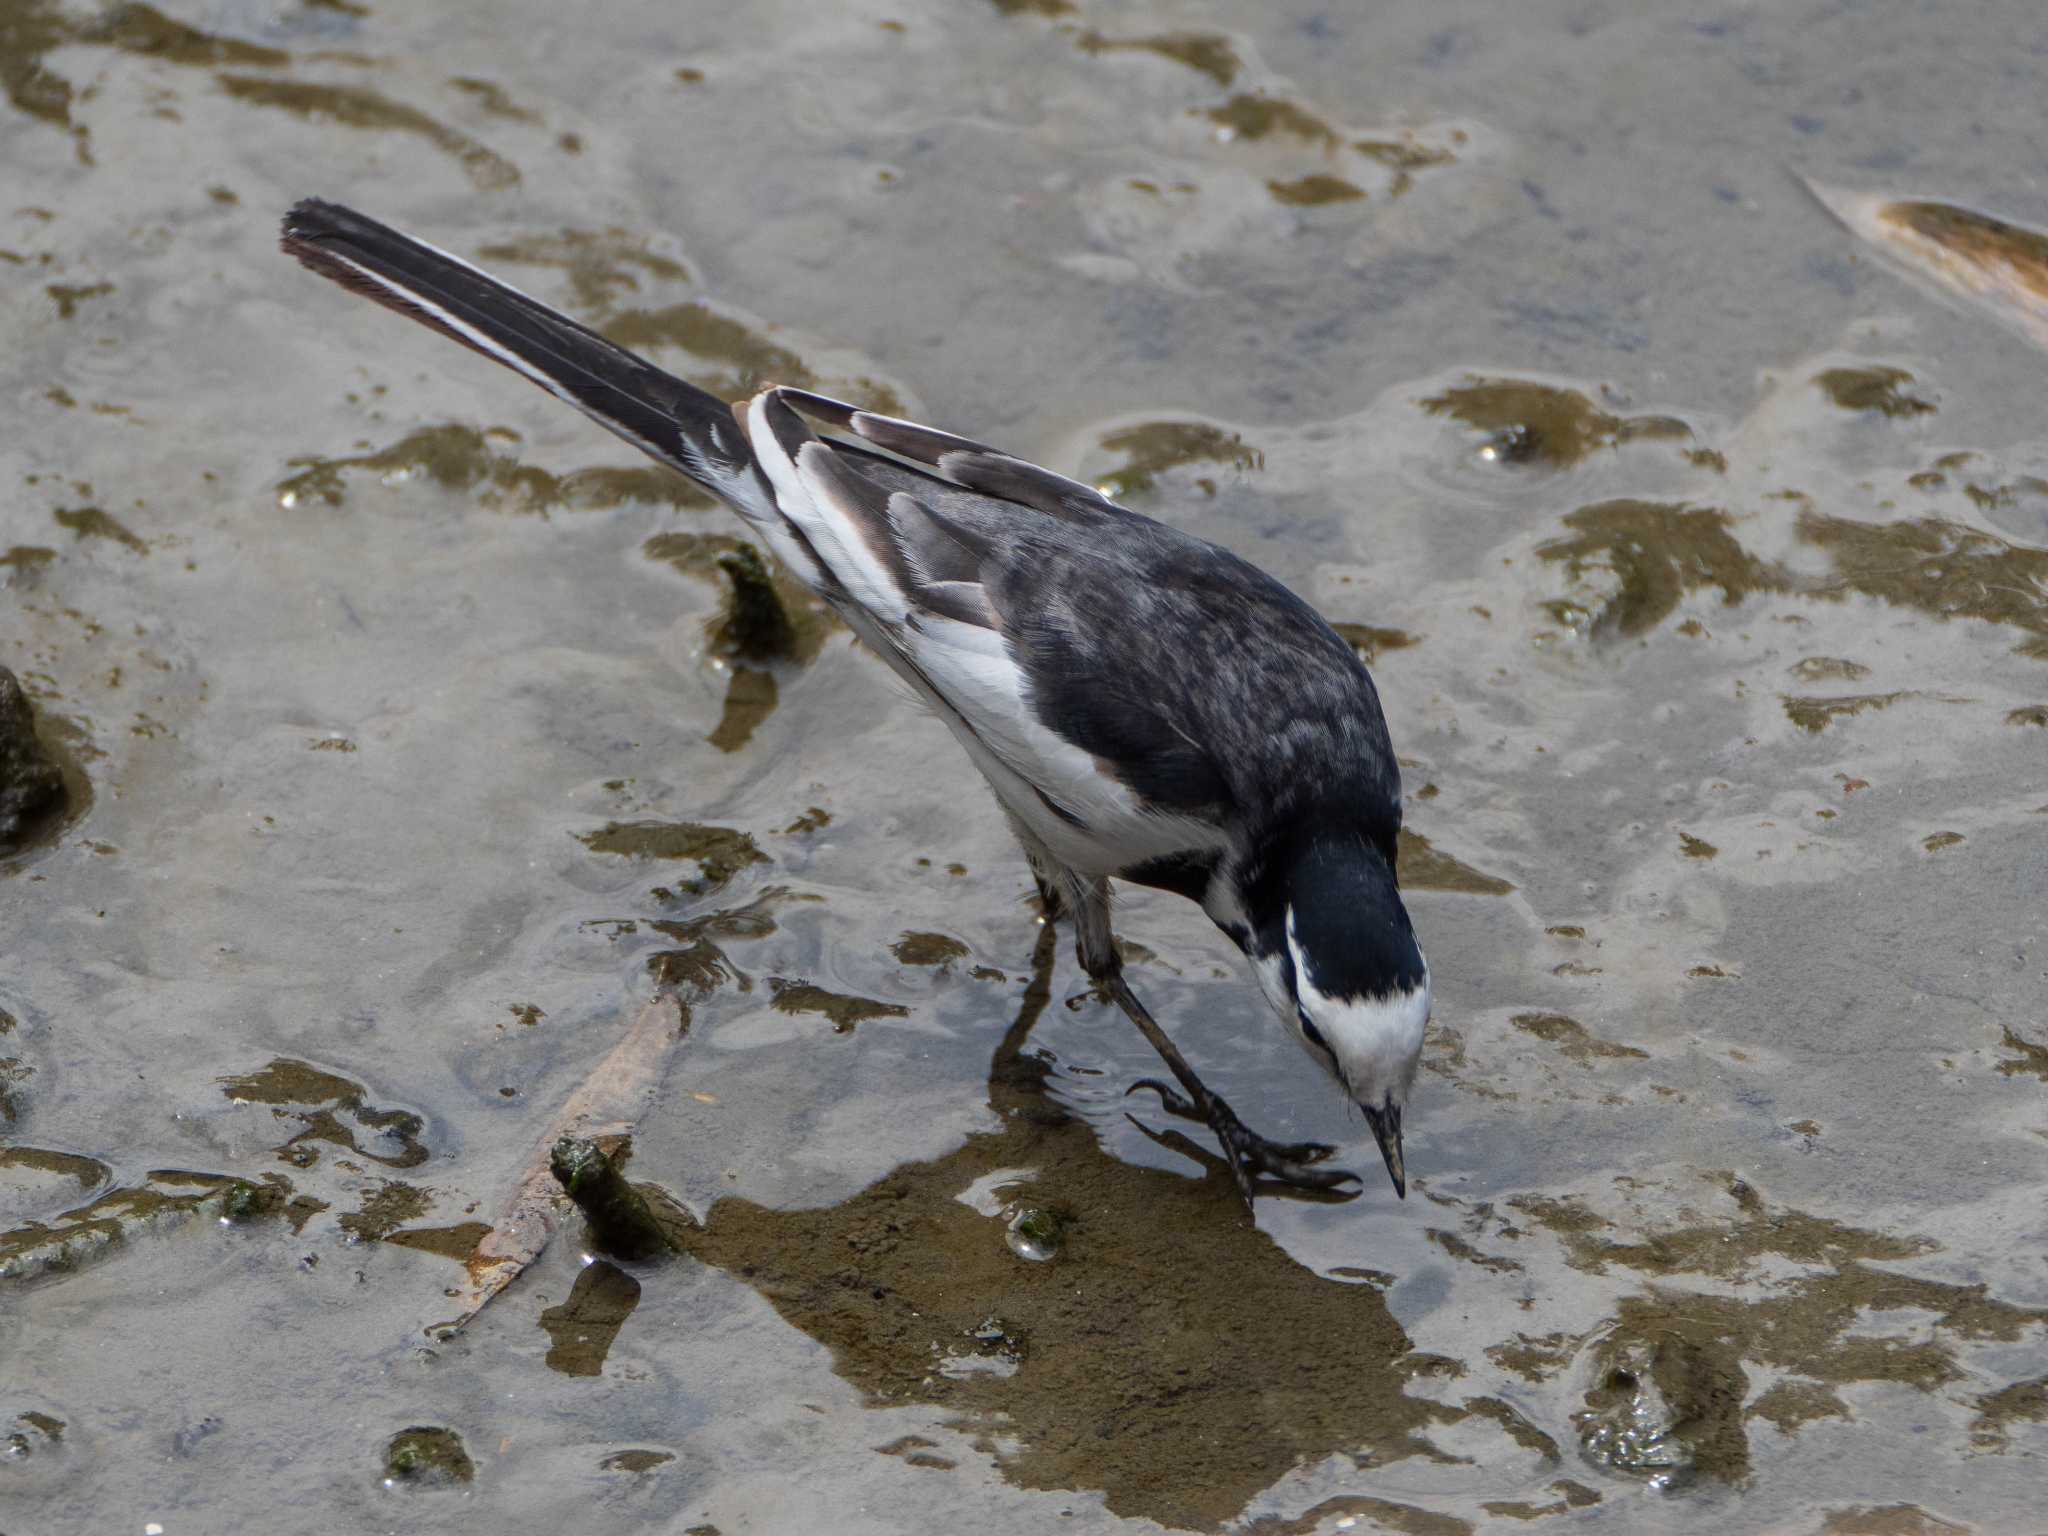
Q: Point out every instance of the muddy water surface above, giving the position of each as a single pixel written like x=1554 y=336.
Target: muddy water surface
x=412 y=732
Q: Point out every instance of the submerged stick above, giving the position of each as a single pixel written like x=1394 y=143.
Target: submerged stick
x=608 y=1102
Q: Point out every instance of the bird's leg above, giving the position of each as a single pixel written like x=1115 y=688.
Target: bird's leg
x=1249 y=1153
x=1045 y=873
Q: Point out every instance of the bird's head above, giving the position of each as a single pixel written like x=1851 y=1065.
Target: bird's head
x=1342 y=966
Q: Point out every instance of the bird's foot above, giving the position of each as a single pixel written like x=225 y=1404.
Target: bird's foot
x=1249 y=1154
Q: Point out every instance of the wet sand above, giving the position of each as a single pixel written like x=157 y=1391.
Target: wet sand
x=413 y=734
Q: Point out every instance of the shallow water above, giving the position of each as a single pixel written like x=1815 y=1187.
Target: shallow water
x=1702 y=558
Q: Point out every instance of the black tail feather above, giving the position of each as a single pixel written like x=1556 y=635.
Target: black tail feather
x=673 y=420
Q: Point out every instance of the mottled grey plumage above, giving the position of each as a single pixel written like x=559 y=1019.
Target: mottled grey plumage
x=1145 y=705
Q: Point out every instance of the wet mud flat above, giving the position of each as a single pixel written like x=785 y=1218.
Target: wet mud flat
x=1650 y=398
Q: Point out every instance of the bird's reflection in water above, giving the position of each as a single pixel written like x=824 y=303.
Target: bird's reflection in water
x=1170 y=1355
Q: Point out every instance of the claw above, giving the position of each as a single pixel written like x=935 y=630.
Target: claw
x=1174 y=1102
x=1249 y=1155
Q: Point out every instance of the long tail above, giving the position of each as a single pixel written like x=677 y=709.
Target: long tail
x=655 y=411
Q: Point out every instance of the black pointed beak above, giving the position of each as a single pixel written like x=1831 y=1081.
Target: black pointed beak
x=1386 y=1130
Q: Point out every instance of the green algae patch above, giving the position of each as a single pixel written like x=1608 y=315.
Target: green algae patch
x=1206 y=53
x=1573 y=1039
x=1872 y=389
x=1179 y=1388
x=1525 y=422
x=1152 y=448
x=2030 y=714
x=93 y=523
x=719 y=852
x=428 y=1456
x=1696 y=847
x=1423 y=868
x=582 y=1329
x=355 y=106
x=462 y=460
x=844 y=1011
x=928 y=949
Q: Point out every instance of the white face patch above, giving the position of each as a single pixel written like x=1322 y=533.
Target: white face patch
x=1377 y=1041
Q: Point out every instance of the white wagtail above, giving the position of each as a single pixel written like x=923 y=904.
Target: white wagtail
x=1145 y=705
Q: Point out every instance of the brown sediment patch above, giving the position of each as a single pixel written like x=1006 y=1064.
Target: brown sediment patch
x=1692 y=1347
x=1695 y=847
x=166 y=1197
x=2031 y=714
x=457 y=1242
x=1793 y=1404
x=1936 y=841
x=1656 y=552
x=1573 y=1039
x=1207 y=53
x=1814 y=715
x=68 y=296
x=1889 y=1520
x=1530 y=423
x=1458 y=1248
x=1937 y=567
x=845 y=1012
x=1252 y=116
x=462 y=459
x=320 y=1101
x=1423 y=868
x=1820 y=669
x=601 y=265
x=385 y=1210
x=1536 y=1358
x=354 y=106
x=2032 y=1059
x=1152 y=448
x=1369 y=640
x=493 y=99
x=720 y=852
x=1404 y=157
x=2023 y=1400
x=751 y=360
x=1315 y=191
x=1178 y=1389
x=928 y=949
x=1872 y=389
x=93 y=523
